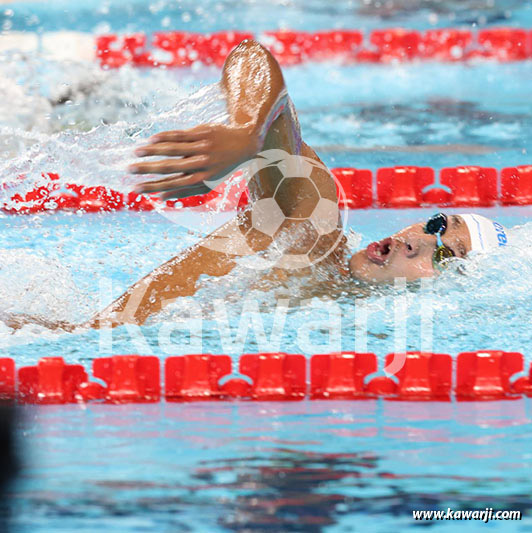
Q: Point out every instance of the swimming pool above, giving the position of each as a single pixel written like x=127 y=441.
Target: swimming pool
x=306 y=466
x=311 y=466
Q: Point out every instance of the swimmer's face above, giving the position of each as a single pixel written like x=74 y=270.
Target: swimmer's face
x=408 y=253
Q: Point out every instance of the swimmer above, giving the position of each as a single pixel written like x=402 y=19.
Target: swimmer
x=262 y=117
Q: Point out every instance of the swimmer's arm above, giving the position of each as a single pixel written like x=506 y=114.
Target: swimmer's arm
x=215 y=255
x=261 y=117
x=17 y=321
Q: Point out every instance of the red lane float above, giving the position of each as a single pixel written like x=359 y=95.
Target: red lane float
x=397 y=187
x=503 y=44
x=413 y=376
x=395 y=44
x=289 y=47
x=50 y=198
x=402 y=186
x=182 y=49
x=35 y=200
x=294 y=47
x=340 y=375
x=109 y=51
x=523 y=385
x=356 y=185
x=445 y=45
x=516 y=185
x=7 y=379
x=195 y=377
x=87 y=199
x=485 y=375
x=421 y=376
x=140 y=202
x=276 y=376
x=470 y=186
x=92 y=199
x=134 y=46
x=186 y=48
x=334 y=44
x=219 y=45
x=52 y=381
x=129 y=378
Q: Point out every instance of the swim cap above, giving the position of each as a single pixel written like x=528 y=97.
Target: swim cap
x=485 y=233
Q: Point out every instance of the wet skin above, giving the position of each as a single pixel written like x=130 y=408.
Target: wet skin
x=408 y=253
x=261 y=118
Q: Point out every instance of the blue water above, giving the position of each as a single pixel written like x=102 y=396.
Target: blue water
x=272 y=467
x=135 y=15
x=248 y=467
x=68 y=267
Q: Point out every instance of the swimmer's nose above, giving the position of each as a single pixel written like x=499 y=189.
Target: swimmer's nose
x=411 y=248
x=413 y=241
x=408 y=244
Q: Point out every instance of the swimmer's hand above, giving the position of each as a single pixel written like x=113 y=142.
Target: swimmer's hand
x=194 y=160
x=199 y=157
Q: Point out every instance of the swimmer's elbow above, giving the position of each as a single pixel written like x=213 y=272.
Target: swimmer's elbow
x=248 y=47
x=252 y=54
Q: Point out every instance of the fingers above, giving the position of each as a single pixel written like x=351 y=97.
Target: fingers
x=172 y=183
x=172 y=148
x=170 y=166
x=185 y=174
x=193 y=134
x=167 y=184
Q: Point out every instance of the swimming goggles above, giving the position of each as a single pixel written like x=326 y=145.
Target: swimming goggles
x=437 y=225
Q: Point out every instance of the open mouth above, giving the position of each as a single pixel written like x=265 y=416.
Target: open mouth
x=379 y=252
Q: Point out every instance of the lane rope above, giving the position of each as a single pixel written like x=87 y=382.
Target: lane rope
x=393 y=45
x=182 y=49
x=392 y=187
x=421 y=376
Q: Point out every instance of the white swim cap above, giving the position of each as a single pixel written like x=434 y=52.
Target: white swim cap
x=485 y=233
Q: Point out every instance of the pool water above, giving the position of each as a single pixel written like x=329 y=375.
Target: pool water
x=68 y=267
x=306 y=466
x=139 y=15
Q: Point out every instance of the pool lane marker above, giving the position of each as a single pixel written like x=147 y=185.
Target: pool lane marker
x=395 y=187
x=385 y=46
x=485 y=375
x=170 y=49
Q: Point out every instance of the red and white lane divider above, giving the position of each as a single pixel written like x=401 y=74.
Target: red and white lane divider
x=178 y=49
x=421 y=376
x=396 y=187
x=52 y=197
x=181 y=49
